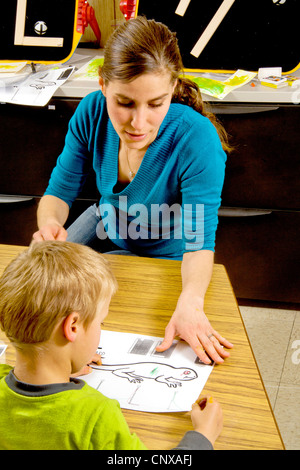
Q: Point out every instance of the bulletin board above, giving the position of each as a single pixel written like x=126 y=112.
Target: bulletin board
x=39 y=31
x=252 y=34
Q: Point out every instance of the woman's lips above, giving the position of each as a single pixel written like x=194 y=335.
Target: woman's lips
x=136 y=137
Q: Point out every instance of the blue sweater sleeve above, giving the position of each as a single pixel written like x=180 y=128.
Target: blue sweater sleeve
x=202 y=177
x=75 y=161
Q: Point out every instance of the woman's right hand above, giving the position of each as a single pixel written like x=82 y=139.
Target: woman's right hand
x=207 y=418
x=50 y=232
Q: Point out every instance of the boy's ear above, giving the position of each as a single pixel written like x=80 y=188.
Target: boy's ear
x=70 y=326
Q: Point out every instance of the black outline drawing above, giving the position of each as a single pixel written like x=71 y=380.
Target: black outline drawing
x=162 y=373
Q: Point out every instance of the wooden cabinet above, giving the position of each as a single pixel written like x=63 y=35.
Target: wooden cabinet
x=259 y=223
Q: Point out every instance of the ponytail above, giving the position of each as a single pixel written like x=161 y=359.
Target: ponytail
x=187 y=92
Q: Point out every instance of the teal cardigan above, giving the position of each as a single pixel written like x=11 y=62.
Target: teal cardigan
x=171 y=206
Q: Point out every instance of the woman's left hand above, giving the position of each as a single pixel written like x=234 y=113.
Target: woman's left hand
x=190 y=323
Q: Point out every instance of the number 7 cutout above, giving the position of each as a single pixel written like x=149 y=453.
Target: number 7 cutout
x=212 y=26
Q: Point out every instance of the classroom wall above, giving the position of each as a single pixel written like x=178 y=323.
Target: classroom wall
x=108 y=15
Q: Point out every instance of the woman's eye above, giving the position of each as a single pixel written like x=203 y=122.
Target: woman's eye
x=130 y=104
x=127 y=105
x=155 y=105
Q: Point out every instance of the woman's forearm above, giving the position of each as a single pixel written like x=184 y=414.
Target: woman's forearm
x=196 y=272
x=52 y=210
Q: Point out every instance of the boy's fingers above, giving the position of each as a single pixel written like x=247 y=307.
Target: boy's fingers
x=96 y=359
x=203 y=401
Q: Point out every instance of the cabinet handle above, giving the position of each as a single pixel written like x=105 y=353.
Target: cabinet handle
x=242 y=212
x=14 y=199
x=227 y=109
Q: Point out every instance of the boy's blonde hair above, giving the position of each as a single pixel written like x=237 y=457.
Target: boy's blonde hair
x=46 y=283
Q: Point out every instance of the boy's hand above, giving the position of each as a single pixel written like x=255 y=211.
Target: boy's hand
x=207 y=418
x=96 y=359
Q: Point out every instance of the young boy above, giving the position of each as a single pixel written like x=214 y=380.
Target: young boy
x=53 y=298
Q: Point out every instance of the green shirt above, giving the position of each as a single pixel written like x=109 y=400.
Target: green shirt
x=60 y=417
x=68 y=416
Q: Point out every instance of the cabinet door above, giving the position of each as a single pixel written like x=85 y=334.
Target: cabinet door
x=261 y=254
x=18 y=218
x=31 y=140
x=263 y=171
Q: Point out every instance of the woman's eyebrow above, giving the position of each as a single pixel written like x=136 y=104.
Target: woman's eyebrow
x=119 y=95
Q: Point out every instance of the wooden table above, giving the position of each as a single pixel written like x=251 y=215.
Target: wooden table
x=147 y=295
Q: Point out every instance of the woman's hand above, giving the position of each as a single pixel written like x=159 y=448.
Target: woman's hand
x=50 y=232
x=52 y=214
x=190 y=323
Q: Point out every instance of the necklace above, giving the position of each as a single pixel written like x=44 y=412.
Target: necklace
x=131 y=173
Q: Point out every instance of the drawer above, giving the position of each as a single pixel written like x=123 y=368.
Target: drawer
x=263 y=170
x=261 y=254
x=18 y=218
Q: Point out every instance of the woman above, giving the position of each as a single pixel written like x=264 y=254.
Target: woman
x=159 y=167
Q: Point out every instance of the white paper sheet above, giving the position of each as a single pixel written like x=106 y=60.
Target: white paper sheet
x=142 y=379
x=2 y=348
x=35 y=89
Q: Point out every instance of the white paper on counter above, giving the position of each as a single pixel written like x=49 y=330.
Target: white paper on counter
x=35 y=89
x=142 y=379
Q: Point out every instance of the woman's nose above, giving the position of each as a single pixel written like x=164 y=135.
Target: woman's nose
x=139 y=119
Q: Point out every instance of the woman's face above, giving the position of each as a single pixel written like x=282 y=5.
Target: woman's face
x=137 y=109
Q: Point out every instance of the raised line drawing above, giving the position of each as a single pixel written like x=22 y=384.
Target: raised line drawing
x=147 y=382
x=162 y=373
x=130 y=401
x=100 y=383
x=168 y=353
x=141 y=346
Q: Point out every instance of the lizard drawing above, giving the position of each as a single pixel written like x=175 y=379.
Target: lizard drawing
x=163 y=373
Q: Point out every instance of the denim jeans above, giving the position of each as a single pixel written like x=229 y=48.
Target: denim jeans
x=83 y=231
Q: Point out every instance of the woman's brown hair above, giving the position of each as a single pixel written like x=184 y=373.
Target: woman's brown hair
x=141 y=46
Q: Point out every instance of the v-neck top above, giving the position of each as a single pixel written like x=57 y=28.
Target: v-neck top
x=171 y=205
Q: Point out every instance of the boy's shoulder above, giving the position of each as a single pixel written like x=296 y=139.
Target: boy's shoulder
x=4 y=370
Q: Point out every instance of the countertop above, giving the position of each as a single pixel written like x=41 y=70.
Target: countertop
x=75 y=88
